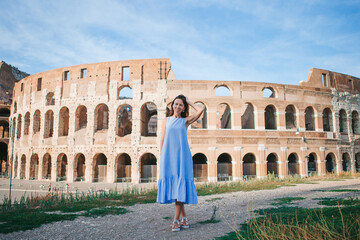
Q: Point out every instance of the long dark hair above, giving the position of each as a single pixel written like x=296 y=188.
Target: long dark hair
x=185 y=112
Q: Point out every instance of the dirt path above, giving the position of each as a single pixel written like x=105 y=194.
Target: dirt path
x=152 y=221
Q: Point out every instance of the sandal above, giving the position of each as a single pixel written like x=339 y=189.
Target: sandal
x=185 y=223
x=175 y=227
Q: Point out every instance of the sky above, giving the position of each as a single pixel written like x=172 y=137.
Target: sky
x=261 y=41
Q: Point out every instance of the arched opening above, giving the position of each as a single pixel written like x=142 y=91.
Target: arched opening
x=309 y=119
x=148 y=168
x=357 y=162
x=80 y=118
x=125 y=93
x=312 y=163
x=290 y=117
x=50 y=99
x=201 y=123
x=79 y=168
x=223 y=116
x=270 y=117
x=18 y=131
x=293 y=164
x=355 y=122
x=272 y=164
x=64 y=122
x=22 y=166
x=16 y=166
x=123 y=168
x=124 y=121
x=100 y=168
x=328 y=120
x=34 y=167
x=61 y=168
x=200 y=168
x=330 y=163
x=4 y=129
x=222 y=91
x=224 y=167
x=247 y=118
x=4 y=112
x=148 y=119
x=49 y=124
x=249 y=165
x=101 y=117
x=343 y=121
x=3 y=159
x=269 y=92
x=27 y=123
x=46 y=166
x=36 y=122
x=15 y=107
x=346 y=162
x=14 y=130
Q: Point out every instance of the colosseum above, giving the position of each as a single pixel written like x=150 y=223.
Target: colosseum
x=101 y=123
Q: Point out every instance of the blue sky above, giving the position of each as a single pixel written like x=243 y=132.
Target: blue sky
x=263 y=41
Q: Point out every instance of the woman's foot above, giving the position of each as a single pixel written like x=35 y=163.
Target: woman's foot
x=176 y=226
x=185 y=223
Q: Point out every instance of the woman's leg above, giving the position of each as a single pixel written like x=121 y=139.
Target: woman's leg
x=183 y=214
x=178 y=207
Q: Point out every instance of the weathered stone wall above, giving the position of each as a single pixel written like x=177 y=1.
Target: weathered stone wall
x=68 y=122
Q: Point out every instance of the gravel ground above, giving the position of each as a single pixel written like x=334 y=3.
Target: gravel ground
x=152 y=221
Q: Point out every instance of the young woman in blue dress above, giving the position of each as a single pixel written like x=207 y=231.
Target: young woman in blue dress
x=176 y=182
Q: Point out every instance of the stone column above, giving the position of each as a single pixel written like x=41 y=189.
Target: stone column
x=212 y=117
x=237 y=167
x=261 y=162
x=303 y=161
x=321 y=163
x=88 y=167
x=339 y=168
x=110 y=177
x=70 y=167
x=319 y=122
x=283 y=163
x=236 y=119
x=53 y=166
x=300 y=118
x=135 y=171
x=259 y=119
x=281 y=121
x=40 y=170
x=212 y=166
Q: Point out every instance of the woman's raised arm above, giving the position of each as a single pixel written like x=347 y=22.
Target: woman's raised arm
x=193 y=117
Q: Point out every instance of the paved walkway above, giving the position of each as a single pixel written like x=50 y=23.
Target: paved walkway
x=150 y=221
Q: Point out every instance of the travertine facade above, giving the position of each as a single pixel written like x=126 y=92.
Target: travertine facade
x=102 y=122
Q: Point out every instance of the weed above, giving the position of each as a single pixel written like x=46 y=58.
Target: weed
x=213 y=217
x=286 y=200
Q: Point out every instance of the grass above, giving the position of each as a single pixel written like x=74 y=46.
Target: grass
x=339 y=190
x=286 y=200
x=339 y=202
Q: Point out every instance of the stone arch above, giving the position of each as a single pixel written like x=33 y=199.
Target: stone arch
x=64 y=121
x=270 y=117
x=247 y=118
x=3 y=158
x=224 y=167
x=222 y=91
x=293 y=164
x=201 y=123
x=309 y=119
x=100 y=168
x=327 y=120
x=343 y=121
x=125 y=92
x=80 y=117
x=124 y=120
x=272 y=164
x=61 y=167
x=36 y=121
x=49 y=124
x=15 y=107
x=290 y=117
x=346 y=162
x=200 y=167
x=46 y=171
x=249 y=165
x=79 y=167
x=330 y=162
x=149 y=119
x=355 y=122
x=27 y=123
x=50 y=99
x=101 y=117
x=4 y=129
x=14 y=130
x=312 y=168
x=123 y=168
x=223 y=116
x=19 y=123
x=148 y=168
x=357 y=162
x=269 y=92
x=22 y=166
x=34 y=167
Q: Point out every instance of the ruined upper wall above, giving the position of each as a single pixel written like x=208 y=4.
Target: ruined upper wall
x=321 y=78
x=7 y=81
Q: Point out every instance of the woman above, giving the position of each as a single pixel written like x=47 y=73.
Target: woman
x=176 y=182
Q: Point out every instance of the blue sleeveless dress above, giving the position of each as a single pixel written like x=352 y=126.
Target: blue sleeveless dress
x=176 y=180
